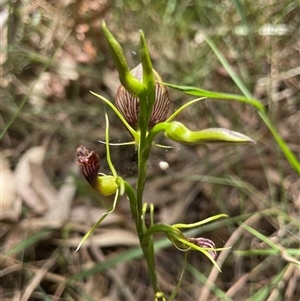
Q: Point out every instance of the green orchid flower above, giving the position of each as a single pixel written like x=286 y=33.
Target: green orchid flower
x=106 y=185
x=183 y=243
x=142 y=104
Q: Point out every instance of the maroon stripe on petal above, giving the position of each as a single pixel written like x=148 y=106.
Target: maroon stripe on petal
x=204 y=243
x=129 y=105
x=89 y=163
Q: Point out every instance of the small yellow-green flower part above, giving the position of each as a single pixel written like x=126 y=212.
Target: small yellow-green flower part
x=107 y=185
x=89 y=163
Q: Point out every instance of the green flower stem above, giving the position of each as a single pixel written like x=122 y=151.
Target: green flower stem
x=159 y=227
x=143 y=155
x=148 y=252
x=132 y=200
x=147 y=248
x=147 y=99
x=146 y=93
x=174 y=235
x=159 y=127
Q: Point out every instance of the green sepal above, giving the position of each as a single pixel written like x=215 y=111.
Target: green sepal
x=103 y=216
x=220 y=96
x=130 y=83
x=200 y=223
x=133 y=133
x=147 y=98
x=148 y=76
x=178 y=132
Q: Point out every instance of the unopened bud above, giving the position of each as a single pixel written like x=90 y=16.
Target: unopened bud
x=178 y=132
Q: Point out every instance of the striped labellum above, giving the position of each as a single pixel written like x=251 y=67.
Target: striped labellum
x=129 y=105
x=89 y=163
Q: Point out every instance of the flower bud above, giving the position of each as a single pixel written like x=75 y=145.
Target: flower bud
x=129 y=105
x=178 y=132
x=129 y=81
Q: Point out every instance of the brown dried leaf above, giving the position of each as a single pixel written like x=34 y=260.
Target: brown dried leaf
x=4 y=15
x=9 y=202
x=82 y=214
x=60 y=209
x=41 y=184
x=24 y=178
x=109 y=238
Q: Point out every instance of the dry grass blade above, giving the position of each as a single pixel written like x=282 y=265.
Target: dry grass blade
x=236 y=235
x=115 y=276
x=35 y=281
x=24 y=178
x=60 y=209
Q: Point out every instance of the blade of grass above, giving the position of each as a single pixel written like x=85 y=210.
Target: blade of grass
x=251 y=252
x=262 y=237
x=24 y=101
x=290 y=156
x=240 y=10
x=273 y=245
x=28 y=242
x=228 y=68
x=203 y=279
x=175 y=291
x=264 y=292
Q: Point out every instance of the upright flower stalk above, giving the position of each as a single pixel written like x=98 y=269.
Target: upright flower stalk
x=142 y=104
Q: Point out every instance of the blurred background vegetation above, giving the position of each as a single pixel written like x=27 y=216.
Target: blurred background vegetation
x=52 y=54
